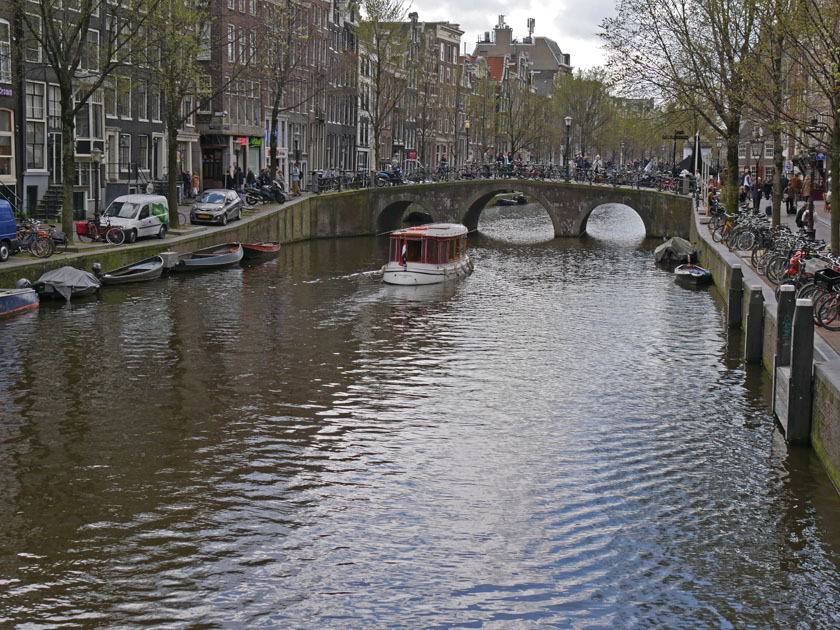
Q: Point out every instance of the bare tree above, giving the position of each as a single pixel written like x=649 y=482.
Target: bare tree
x=586 y=98
x=83 y=42
x=385 y=39
x=696 y=54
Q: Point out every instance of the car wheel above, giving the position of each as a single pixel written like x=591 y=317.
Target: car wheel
x=131 y=236
x=163 y=230
x=224 y=219
x=193 y=221
x=5 y=251
x=239 y=214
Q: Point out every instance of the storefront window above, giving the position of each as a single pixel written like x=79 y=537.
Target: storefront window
x=7 y=156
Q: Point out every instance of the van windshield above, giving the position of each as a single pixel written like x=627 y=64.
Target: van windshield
x=122 y=210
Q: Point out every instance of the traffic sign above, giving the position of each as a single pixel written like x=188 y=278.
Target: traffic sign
x=788 y=165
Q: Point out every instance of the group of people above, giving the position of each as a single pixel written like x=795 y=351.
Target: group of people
x=191 y=184
x=236 y=180
x=794 y=190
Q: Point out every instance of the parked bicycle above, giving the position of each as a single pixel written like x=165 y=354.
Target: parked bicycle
x=96 y=231
x=34 y=240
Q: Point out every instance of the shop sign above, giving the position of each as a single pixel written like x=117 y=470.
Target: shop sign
x=6 y=92
x=412 y=154
x=255 y=142
x=242 y=141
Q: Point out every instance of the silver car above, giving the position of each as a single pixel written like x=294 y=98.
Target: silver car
x=216 y=206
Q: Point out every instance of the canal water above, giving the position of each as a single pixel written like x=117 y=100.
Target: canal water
x=564 y=439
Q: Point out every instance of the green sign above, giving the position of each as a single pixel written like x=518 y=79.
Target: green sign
x=255 y=142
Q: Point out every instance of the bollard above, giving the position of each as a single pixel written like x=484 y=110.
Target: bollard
x=801 y=371
x=754 y=336
x=735 y=310
x=784 y=323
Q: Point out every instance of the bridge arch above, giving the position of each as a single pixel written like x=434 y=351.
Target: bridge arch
x=569 y=205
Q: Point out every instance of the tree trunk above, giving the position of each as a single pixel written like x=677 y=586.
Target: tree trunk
x=834 y=234
x=778 y=165
x=272 y=140
x=68 y=163
x=732 y=174
x=173 y=174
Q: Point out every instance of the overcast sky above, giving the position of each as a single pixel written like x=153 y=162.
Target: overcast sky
x=573 y=25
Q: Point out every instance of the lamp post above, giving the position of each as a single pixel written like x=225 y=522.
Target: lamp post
x=816 y=130
x=96 y=157
x=662 y=153
x=621 y=157
x=719 y=143
x=568 y=121
x=467 y=126
x=757 y=147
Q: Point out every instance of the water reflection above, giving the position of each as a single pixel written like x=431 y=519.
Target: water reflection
x=564 y=438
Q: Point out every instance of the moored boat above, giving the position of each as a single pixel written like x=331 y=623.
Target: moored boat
x=427 y=254
x=260 y=252
x=66 y=282
x=215 y=257
x=149 y=269
x=692 y=275
x=17 y=300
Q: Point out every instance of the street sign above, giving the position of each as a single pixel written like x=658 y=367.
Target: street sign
x=789 y=165
x=820 y=156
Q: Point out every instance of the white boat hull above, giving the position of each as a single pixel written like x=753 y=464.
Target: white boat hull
x=420 y=273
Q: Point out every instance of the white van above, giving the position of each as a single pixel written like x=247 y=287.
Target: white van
x=138 y=215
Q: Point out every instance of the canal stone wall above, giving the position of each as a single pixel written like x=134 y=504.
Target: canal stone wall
x=825 y=410
x=376 y=210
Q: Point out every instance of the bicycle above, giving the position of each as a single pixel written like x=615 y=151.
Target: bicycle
x=31 y=239
x=94 y=231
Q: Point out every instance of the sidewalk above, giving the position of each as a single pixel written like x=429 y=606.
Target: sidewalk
x=822 y=229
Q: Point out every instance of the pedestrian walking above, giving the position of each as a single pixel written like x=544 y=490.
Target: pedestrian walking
x=796 y=185
x=296 y=181
x=787 y=198
x=806 y=189
x=196 y=183
x=237 y=177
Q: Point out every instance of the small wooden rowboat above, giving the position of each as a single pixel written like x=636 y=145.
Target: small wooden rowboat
x=148 y=269
x=692 y=275
x=17 y=300
x=260 y=252
x=215 y=257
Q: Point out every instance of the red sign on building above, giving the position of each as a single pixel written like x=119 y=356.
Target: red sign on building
x=412 y=154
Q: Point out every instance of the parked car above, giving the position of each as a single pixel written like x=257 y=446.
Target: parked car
x=216 y=206
x=138 y=215
x=8 y=231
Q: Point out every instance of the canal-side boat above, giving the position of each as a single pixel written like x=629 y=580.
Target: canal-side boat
x=692 y=275
x=254 y=253
x=216 y=257
x=67 y=283
x=17 y=300
x=149 y=269
x=427 y=254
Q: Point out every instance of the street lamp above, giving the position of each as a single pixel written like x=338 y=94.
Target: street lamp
x=467 y=126
x=662 y=153
x=816 y=130
x=568 y=121
x=621 y=158
x=719 y=143
x=757 y=146
x=96 y=157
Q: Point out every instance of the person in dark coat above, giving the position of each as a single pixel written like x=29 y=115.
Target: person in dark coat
x=237 y=177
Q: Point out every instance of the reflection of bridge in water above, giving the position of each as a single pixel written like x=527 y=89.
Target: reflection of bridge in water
x=568 y=205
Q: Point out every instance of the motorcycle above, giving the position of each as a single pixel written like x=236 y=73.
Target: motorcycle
x=393 y=178
x=272 y=193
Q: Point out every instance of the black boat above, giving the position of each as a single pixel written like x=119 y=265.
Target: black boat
x=260 y=252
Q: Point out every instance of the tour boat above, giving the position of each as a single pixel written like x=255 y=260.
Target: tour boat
x=427 y=254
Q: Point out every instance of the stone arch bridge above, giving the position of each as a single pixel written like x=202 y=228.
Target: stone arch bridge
x=568 y=204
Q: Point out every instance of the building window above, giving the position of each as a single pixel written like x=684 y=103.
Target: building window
x=110 y=101
x=142 y=101
x=742 y=151
x=231 y=43
x=90 y=55
x=7 y=146
x=768 y=151
x=5 y=52
x=204 y=44
x=155 y=107
x=34 y=144
x=125 y=152
x=124 y=98
x=54 y=108
x=32 y=48
x=143 y=152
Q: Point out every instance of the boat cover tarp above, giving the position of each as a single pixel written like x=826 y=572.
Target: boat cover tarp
x=64 y=279
x=675 y=250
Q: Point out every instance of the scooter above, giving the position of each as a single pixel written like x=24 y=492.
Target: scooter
x=394 y=178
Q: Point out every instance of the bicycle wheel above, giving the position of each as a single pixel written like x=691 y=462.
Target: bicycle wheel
x=41 y=247
x=775 y=269
x=745 y=240
x=827 y=310
x=115 y=236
